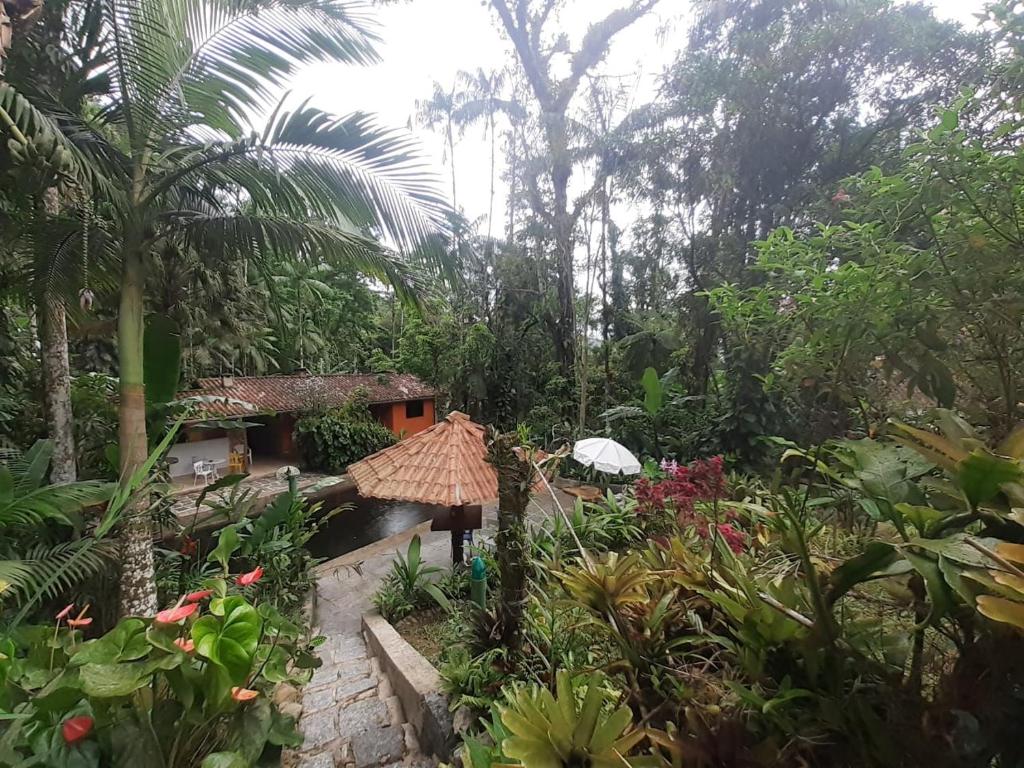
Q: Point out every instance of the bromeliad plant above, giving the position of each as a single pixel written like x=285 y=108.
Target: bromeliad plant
x=546 y=731
x=187 y=687
x=692 y=494
x=408 y=585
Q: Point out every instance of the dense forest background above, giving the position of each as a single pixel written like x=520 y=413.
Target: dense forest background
x=827 y=236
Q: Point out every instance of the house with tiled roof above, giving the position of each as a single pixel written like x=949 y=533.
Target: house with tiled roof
x=255 y=415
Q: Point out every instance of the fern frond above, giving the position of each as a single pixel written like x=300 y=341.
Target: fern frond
x=46 y=571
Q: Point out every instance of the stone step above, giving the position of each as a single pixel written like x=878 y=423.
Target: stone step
x=373 y=748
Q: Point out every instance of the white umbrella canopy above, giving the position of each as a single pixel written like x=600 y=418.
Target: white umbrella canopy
x=606 y=455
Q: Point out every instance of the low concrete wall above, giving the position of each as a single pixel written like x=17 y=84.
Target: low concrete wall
x=416 y=683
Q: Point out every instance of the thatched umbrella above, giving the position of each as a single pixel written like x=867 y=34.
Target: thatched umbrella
x=444 y=465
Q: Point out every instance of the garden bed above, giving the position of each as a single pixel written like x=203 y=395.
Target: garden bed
x=423 y=631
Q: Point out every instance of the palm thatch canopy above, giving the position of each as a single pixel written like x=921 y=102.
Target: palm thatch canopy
x=445 y=464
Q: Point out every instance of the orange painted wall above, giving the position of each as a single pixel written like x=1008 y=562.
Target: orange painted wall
x=399 y=423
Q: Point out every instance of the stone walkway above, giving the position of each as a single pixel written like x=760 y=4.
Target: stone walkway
x=350 y=719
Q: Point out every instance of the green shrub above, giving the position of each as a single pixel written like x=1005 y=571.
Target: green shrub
x=408 y=586
x=332 y=440
x=192 y=685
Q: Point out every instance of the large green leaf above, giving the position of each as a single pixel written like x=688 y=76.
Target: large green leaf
x=227 y=544
x=878 y=560
x=161 y=359
x=920 y=516
x=957 y=549
x=938 y=591
x=125 y=642
x=936 y=448
x=654 y=393
x=981 y=474
x=229 y=636
x=250 y=730
x=113 y=680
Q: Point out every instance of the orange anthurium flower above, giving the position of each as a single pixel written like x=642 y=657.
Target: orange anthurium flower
x=247 y=579
x=74 y=729
x=80 y=620
x=66 y=611
x=243 y=694
x=186 y=645
x=195 y=597
x=176 y=614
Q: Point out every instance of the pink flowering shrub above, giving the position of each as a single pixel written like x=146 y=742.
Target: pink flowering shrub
x=686 y=491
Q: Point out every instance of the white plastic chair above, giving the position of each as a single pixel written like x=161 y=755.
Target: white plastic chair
x=206 y=470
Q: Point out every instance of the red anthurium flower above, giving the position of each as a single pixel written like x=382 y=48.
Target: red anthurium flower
x=247 y=579
x=66 y=611
x=177 y=613
x=184 y=644
x=74 y=729
x=195 y=597
x=243 y=694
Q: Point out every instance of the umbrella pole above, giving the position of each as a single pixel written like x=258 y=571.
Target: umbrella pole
x=583 y=553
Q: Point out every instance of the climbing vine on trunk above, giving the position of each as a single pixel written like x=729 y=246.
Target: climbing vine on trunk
x=515 y=477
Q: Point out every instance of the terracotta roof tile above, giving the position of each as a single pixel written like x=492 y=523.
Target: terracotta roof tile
x=445 y=464
x=250 y=395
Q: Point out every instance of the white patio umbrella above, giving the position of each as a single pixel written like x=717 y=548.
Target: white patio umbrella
x=606 y=455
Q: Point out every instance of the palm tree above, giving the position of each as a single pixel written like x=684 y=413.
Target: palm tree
x=60 y=59
x=170 y=153
x=299 y=288
x=439 y=110
x=482 y=100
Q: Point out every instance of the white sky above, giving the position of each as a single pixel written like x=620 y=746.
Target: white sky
x=428 y=40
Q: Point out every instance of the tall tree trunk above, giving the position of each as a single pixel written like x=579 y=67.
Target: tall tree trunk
x=57 y=388
x=561 y=169
x=490 y=210
x=606 y=314
x=138 y=586
x=513 y=162
x=515 y=478
x=451 y=159
x=53 y=336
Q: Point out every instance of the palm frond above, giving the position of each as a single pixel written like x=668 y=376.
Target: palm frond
x=22 y=121
x=347 y=170
x=46 y=571
x=260 y=235
x=214 y=62
x=26 y=501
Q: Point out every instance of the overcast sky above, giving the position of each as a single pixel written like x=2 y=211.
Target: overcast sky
x=428 y=40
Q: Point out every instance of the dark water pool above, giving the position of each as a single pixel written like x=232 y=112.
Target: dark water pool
x=366 y=521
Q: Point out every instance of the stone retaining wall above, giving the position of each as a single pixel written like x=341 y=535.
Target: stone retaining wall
x=416 y=683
